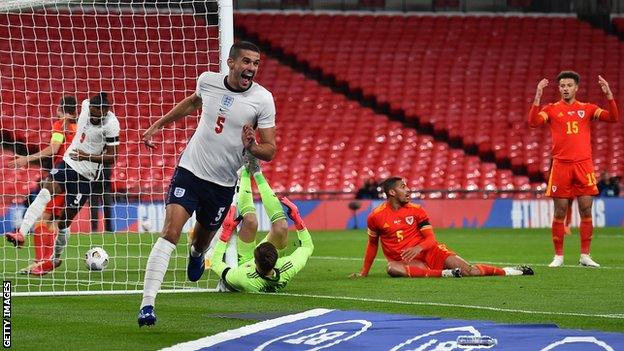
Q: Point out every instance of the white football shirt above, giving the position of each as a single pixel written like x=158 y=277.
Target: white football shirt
x=215 y=152
x=92 y=139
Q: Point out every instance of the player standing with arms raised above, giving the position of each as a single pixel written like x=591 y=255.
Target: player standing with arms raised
x=205 y=178
x=572 y=171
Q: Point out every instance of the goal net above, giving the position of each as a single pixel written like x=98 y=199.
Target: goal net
x=147 y=56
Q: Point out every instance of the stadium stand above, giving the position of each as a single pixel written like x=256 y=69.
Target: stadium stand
x=471 y=77
x=477 y=98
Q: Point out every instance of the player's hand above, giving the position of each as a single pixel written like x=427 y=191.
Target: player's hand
x=604 y=85
x=18 y=162
x=229 y=224
x=293 y=212
x=410 y=254
x=79 y=155
x=248 y=136
x=147 y=136
x=540 y=87
x=356 y=275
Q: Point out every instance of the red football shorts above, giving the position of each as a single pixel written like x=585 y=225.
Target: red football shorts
x=571 y=179
x=434 y=257
x=56 y=205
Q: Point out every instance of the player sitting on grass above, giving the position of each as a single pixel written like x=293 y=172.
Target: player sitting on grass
x=266 y=272
x=409 y=244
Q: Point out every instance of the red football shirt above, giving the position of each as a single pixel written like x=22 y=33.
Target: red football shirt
x=398 y=230
x=68 y=130
x=570 y=129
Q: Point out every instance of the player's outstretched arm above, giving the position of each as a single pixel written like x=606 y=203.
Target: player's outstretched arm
x=187 y=106
x=612 y=114
x=369 y=256
x=48 y=151
x=227 y=228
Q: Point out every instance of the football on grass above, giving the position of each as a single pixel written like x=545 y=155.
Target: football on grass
x=96 y=259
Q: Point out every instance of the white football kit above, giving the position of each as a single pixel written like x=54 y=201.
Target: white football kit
x=92 y=139
x=215 y=152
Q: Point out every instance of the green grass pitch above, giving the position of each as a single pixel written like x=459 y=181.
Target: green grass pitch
x=571 y=297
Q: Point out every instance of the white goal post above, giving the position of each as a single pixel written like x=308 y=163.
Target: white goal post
x=147 y=55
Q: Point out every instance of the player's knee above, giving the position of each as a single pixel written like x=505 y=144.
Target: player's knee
x=249 y=227
x=280 y=227
x=395 y=271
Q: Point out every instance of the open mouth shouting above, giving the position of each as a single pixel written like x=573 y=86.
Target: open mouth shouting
x=246 y=78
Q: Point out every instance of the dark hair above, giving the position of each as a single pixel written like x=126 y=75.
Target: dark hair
x=100 y=100
x=242 y=45
x=389 y=184
x=265 y=255
x=569 y=74
x=67 y=104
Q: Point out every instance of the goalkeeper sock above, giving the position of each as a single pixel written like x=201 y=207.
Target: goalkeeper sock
x=34 y=211
x=60 y=243
x=155 y=270
x=269 y=200
x=245 y=250
x=245 y=196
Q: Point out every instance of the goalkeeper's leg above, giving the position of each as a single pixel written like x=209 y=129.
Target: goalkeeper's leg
x=278 y=235
x=246 y=241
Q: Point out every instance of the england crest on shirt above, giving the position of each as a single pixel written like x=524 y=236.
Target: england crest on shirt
x=227 y=101
x=580 y=113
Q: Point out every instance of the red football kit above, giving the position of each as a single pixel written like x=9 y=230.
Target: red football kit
x=572 y=171
x=400 y=230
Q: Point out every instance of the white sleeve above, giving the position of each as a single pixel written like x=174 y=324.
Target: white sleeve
x=202 y=78
x=112 y=131
x=266 y=116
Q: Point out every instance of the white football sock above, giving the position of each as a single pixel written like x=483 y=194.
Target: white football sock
x=157 y=264
x=60 y=243
x=231 y=253
x=512 y=271
x=34 y=211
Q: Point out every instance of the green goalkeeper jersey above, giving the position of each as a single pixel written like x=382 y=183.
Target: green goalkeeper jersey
x=244 y=278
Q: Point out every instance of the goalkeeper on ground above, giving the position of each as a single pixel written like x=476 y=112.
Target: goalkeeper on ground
x=265 y=272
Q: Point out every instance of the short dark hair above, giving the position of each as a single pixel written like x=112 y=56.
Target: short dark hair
x=100 y=100
x=389 y=184
x=242 y=45
x=265 y=255
x=67 y=104
x=569 y=74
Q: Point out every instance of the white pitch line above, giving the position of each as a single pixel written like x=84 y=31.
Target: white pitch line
x=478 y=261
x=442 y=304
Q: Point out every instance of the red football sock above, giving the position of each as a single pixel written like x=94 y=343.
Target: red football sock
x=49 y=238
x=490 y=270
x=557 y=236
x=587 y=231
x=38 y=240
x=416 y=272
